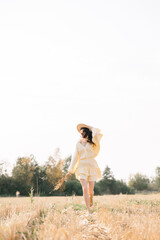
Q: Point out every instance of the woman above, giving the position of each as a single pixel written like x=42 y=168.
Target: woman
x=83 y=162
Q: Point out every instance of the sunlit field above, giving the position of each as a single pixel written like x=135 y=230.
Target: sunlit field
x=127 y=217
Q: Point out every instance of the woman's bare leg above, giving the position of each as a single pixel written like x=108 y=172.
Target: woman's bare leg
x=91 y=187
x=85 y=194
x=91 y=191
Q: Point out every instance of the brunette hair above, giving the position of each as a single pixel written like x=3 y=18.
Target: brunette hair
x=88 y=134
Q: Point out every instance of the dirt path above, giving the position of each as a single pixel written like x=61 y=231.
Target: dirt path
x=91 y=228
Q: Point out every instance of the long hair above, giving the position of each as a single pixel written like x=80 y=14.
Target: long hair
x=88 y=134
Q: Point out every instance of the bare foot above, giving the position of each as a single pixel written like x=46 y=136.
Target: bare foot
x=90 y=211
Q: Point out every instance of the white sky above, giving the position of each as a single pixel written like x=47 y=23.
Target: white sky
x=95 y=62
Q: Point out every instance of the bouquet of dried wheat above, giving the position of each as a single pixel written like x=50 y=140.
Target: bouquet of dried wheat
x=60 y=182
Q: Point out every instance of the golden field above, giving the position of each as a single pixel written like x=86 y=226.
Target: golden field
x=117 y=217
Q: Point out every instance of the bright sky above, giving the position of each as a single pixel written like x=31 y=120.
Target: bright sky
x=69 y=62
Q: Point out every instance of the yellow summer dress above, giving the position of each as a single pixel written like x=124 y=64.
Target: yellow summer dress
x=83 y=162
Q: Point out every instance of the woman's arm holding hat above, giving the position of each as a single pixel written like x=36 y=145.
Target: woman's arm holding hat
x=96 y=135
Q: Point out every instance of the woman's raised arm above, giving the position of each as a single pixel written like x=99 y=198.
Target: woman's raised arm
x=96 y=137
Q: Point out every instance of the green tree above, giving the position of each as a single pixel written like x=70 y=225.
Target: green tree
x=73 y=187
x=1 y=168
x=39 y=177
x=54 y=170
x=106 y=185
x=7 y=185
x=121 y=187
x=23 y=173
x=67 y=162
x=139 y=182
x=157 y=179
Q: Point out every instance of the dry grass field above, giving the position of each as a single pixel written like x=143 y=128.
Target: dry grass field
x=119 y=217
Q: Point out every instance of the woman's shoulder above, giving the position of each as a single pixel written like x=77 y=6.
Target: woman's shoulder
x=78 y=142
x=78 y=145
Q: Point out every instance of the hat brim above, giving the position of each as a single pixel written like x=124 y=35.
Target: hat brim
x=80 y=125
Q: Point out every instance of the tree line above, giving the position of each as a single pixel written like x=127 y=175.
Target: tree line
x=27 y=174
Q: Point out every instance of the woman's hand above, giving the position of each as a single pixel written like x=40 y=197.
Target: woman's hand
x=68 y=174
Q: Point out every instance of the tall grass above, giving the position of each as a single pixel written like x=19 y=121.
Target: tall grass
x=131 y=217
x=119 y=217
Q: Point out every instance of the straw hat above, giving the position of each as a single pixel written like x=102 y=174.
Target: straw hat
x=80 y=125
